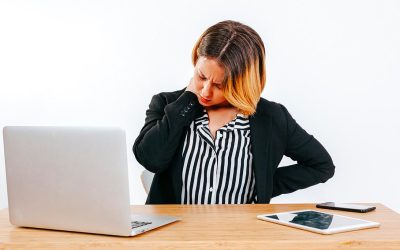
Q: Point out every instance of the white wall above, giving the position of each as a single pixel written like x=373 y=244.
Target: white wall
x=334 y=64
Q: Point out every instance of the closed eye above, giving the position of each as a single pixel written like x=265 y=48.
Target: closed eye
x=203 y=78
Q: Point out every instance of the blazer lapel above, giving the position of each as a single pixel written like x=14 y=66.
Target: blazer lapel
x=260 y=131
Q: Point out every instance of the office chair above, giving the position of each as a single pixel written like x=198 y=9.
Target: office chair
x=147 y=178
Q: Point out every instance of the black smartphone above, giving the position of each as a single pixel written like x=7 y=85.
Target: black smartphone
x=346 y=207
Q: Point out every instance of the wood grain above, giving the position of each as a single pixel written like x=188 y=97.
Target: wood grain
x=213 y=227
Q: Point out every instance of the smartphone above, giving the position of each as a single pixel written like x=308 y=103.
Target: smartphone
x=346 y=207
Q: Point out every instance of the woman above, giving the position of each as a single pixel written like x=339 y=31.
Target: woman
x=216 y=141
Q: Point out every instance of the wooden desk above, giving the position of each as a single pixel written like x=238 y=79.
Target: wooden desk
x=212 y=227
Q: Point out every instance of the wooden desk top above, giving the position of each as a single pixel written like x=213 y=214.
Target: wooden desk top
x=215 y=226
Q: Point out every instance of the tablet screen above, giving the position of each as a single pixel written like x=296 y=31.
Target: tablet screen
x=316 y=219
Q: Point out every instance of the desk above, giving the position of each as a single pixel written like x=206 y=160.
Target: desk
x=212 y=227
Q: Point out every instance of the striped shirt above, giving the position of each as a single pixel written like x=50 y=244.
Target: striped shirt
x=220 y=171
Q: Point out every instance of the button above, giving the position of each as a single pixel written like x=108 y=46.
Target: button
x=211 y=189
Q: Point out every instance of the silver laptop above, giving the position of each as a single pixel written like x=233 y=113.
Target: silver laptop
x=72 y=179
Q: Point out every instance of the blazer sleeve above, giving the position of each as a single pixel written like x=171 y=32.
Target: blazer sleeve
x=164 y=125
x=314 y=164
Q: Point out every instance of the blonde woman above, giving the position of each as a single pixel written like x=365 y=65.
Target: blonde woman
x=217 y=141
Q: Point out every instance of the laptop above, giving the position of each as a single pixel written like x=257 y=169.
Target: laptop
x=72 y=179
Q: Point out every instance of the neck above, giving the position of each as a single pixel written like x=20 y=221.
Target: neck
x=222 y=106
x=224 y=111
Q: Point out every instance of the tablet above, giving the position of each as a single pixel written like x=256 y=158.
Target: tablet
x=318 y=222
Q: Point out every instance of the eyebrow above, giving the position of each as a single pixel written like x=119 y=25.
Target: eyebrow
x=217 y=83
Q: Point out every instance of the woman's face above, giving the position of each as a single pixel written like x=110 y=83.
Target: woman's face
x=208 y=78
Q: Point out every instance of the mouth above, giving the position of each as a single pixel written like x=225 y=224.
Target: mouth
x=204 y=100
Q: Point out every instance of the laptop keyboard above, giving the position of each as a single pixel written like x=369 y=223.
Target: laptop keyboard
x=136 y=224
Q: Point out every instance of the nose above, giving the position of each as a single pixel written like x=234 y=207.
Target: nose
x=206 y=90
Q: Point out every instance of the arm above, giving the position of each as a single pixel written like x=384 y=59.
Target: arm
x=161 y=134
x=314 y=164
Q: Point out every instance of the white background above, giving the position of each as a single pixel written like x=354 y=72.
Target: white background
x=334 y=64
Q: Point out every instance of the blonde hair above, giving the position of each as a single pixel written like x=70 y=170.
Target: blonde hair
x=241 y=51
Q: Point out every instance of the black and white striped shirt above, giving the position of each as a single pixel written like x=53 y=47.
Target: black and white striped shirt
x=220 y=171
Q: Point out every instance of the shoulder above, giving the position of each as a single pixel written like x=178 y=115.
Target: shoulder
x=269 y=108
x=274 y=111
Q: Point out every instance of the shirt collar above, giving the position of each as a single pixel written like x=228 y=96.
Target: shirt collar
x=202 y=122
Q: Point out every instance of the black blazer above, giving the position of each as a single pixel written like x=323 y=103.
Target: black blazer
x=274 y=133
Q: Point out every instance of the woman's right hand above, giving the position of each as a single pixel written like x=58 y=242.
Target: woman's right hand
x=191 y=87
